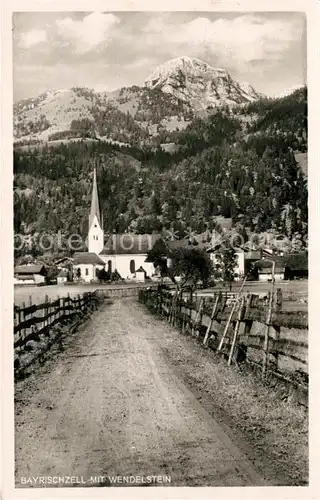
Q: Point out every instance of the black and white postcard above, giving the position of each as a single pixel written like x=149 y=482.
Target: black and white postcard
x=159 y=169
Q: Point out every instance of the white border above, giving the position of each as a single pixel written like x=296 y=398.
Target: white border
x=312 y=8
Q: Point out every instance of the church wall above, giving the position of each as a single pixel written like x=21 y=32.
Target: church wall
x=88 y=276
x=122 y=264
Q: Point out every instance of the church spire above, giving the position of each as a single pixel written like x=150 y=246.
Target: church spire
x=94 y=201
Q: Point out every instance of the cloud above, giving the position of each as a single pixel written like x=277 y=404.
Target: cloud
x=120 y=49
x=87 y=33
x=32 y=37
x=235 y=42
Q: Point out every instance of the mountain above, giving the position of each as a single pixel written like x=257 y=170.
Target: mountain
x=238 y=163
x=149 y=115
x=195 y=82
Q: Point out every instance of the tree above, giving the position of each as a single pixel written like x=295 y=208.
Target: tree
x=227 y=262
x=158 y=256
x=102 y=275
x=192 y=265
x=52 y=273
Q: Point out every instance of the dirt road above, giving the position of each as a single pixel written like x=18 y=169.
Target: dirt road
x=116 y=402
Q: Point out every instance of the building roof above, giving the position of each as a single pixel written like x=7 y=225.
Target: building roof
x=87 y=258
x=264 y=265
x=187 y=243
x=140 y=270
x=127 y=243
x=62 y=259
x=95 y=211
x=267 y=261
x=30 y=269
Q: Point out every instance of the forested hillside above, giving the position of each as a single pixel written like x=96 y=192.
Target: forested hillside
x=236 y=163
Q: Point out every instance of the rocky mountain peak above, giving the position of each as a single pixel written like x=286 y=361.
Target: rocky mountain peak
x=196 y=82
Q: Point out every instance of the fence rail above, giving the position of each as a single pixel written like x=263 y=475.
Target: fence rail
x=35 y=319
x=246 y=329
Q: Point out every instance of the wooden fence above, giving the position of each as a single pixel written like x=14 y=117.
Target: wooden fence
x=124 y=291
x=32 y=320
x=246 y=329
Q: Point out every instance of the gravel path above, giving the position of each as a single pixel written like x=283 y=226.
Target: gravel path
x=115 y=402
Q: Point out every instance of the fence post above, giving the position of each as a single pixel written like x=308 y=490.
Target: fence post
x=213 y=313
x=230 y=316
x=279 y=299
x=201 y=308
x=183 y=316
x=227 y=326
x=195 y=323
x=159 y=301
x=58 y=307
x=267 y=333
x=23 y=317
x=17 y=317
x=49 y=312
x=171 y=309
x=176 y=310
x=63 y=312
x=179 y=310
x=277 y=329
x=46 y=301
x=236 y=330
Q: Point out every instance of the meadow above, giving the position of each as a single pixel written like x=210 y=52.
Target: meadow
x=293 y=291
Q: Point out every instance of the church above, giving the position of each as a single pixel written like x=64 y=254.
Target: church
x=125 y=253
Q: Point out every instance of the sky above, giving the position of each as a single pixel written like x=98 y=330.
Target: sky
x=108 y=50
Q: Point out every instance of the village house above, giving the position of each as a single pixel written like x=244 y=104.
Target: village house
x=119 y=253
x=62 y=277
x=85 y=266
x=265 y=268
x=65 y=268
x=30 y=274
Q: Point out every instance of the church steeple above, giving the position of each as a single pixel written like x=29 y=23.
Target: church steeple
x=95 y=211
x=95 y=234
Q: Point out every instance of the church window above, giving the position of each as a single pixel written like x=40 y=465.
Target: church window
x=109 y=266
x=132 y=266
x=87 y=271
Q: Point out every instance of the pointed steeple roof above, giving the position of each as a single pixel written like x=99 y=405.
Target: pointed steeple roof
x=94 y=201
